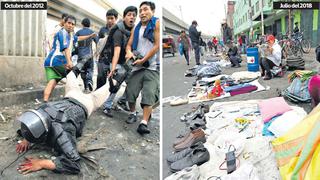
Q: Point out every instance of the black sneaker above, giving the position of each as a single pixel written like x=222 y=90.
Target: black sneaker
x=107 y=112
x=132 y=118
x=123 y=105
x=90 y=86
x=143 y=129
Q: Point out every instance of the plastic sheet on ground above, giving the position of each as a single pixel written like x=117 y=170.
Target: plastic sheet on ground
x=256 y=162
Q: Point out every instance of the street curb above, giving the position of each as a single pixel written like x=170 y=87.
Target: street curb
x=25 y=96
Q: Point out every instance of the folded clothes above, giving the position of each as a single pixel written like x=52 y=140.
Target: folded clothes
x=235 y=87
x=243 y=90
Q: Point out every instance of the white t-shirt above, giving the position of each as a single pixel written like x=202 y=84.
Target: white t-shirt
x=275 y=57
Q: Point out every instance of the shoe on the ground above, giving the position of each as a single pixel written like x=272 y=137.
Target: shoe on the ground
x=238 y=66
x=108 y=112
x=198 y=156
x=143 y=129
x=193 y=137
x=132 y=118
x=90 y=86
x=123 y=105
x=179 y=155
x=198 y=112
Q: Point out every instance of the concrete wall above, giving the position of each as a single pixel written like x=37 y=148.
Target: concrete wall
x=21 y=51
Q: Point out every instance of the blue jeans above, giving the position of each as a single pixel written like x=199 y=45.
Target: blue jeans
x=87 y=72
x=196 y=48
x=109 y=102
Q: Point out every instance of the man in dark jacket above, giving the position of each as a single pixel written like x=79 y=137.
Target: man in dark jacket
x=233 y=55
x=227 y=34
x=195 y=40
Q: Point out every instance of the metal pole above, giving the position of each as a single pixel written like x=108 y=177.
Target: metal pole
x=262 y=23
x=289 y=23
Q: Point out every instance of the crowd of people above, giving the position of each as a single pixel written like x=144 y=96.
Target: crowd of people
x=126 y=52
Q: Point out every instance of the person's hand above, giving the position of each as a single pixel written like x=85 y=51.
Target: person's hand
x=30 y=165
x=129 y=55
x=111 y=73
x=94 y=34
x=22 y=146
x=69 y=65
x=138 y=62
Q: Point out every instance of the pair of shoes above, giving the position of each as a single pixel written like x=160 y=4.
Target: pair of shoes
x=197 y=124
x=123 y=105
x=198 y=156
x=263 y=74
x=179 y=155
x=107 y=112
x=198 y=112
x=194 y=137
x=90 y=86
x=143 y=129
x=132 y=118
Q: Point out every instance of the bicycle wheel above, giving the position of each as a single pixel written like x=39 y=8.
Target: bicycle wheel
x=305 y=46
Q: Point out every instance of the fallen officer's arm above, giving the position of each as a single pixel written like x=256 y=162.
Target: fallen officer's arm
x=33 y=164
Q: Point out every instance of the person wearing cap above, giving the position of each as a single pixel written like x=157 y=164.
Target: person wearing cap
x=195 y=40
x=273 y=58
x=58 y=124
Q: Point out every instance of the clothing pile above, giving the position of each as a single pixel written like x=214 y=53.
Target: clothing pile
x=221 y=86
x=204 y=70
x=189 y=149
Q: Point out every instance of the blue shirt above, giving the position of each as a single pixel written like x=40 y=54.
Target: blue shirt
x=85 y=46
x=61 y=41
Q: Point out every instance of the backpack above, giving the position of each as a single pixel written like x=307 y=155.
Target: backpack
x=297 y=91
x=106 y=53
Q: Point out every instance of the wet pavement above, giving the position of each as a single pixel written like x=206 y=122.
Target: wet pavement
x=175 y=84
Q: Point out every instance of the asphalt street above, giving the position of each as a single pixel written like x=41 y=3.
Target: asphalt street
x=175 y=84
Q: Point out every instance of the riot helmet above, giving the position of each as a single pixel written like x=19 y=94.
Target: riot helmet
x=34 y=125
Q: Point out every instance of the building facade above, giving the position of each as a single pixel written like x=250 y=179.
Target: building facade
x=247 y=18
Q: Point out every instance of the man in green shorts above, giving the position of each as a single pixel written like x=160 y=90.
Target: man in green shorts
x=58 y=61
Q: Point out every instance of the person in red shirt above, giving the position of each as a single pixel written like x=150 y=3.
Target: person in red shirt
x=215 y=44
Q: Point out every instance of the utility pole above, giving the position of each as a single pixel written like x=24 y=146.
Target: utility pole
x=181 y=12
x=250 y=15
x=262 y=23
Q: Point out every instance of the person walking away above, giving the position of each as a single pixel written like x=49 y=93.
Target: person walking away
x=184 y=40
x=85 y=54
